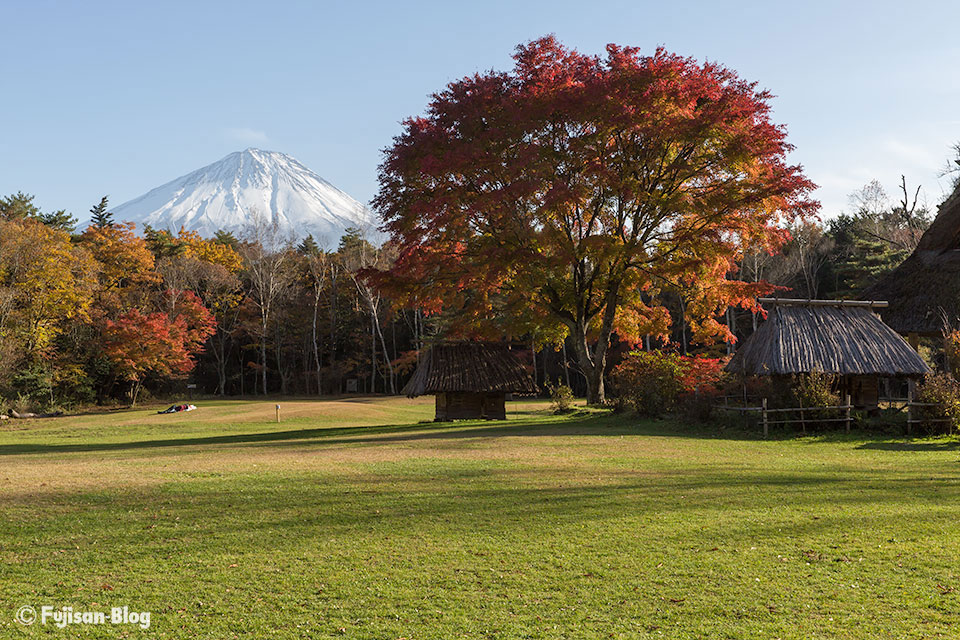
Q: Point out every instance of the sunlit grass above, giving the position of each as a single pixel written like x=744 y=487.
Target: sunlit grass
x=355 y=519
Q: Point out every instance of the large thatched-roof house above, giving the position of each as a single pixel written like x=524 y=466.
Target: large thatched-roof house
x=840 y=337
x=925 y=288
x=469 y=379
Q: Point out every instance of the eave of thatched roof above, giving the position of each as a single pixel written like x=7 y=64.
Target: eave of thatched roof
x=478 y=367
x=837 y=339
x=925 y=288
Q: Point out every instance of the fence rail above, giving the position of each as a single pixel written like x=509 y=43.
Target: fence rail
x=912 y=417
x=765 y=413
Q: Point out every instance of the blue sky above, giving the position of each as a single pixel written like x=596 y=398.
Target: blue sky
x=118 y=98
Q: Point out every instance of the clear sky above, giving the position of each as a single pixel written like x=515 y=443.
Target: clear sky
x=118 y=98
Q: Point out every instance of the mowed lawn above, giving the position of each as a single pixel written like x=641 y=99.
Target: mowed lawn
x=357 y=519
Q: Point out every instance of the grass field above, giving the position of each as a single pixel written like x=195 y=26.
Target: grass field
x=354 y=519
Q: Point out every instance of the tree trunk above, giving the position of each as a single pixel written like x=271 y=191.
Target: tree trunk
x=220 y=355
x=533 y=357
x=316 y=348
x=594 y=362
x=279 y=359
x=386 y=357
x=243 y=374
x=683 y=324
x=592 y=369
x=373 y=353
x=263 y=355
x=333 y=330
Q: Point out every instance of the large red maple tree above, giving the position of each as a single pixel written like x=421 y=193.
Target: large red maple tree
x=568 y=193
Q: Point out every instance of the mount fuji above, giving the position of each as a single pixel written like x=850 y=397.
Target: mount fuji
x=227 y=194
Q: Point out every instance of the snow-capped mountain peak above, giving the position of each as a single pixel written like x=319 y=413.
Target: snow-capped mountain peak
x=229 y=193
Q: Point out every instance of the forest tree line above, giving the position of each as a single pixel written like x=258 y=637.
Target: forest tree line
x=97 y=316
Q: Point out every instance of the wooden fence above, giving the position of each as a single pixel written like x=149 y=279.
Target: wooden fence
x=793 y=415
x=799 y=415
x=913 y=416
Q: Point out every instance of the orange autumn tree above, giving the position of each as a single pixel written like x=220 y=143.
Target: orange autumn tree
x=157 y=344
x=571 y=191
x=128 y=272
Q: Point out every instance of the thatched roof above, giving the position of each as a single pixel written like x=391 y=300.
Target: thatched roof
x=469 y=367
x=838 y=337
x=926 y=286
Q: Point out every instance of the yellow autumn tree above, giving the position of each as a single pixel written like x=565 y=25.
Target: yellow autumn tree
x=209 y=250
x=45 y=282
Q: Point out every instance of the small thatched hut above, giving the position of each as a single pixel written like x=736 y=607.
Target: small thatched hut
x=925 y=288
x=840 y=337
x=469 y=379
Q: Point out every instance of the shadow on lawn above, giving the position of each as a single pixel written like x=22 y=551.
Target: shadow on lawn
x=912 y=445
x=592 y=424
x=586 y=424
x=262 y=511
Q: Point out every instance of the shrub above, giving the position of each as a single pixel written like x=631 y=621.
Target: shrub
x=653 y=382
x=33 y=389
x=703 y=376
x=561 y=398
x=943 y=390
x=648 y=381
x=813 y=390
x=23 y=404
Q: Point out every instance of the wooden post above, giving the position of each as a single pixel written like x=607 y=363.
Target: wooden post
x=278 y=414
x=909 y=405
x=847 y=411
x=766 y=425
x=743 y=414
x=803 y=421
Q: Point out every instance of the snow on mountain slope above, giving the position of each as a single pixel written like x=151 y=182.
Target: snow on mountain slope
x=225 y=194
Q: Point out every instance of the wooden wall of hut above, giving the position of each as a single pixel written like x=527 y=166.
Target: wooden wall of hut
x=470 y=406
x=864 y=391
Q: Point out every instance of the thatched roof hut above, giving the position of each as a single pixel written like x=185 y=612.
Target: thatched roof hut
x=830 y=336
x=841 y=337
x=926 y=286
x=469 y=379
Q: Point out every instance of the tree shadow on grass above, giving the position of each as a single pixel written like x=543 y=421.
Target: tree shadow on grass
x=582 y=424
x=278 y=511
x=912 y=445
x=585 y=424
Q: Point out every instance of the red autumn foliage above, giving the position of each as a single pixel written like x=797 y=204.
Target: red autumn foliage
x=701 y=374
x=158 y=343
x=198 y=323
x=569 y=193
x=652 y=382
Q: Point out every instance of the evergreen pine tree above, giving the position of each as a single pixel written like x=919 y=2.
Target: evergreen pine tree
x=162 y=244
x=18 y=206
x=99 y=216
x=227 y=238
x=58 y=220
x=308 y=247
